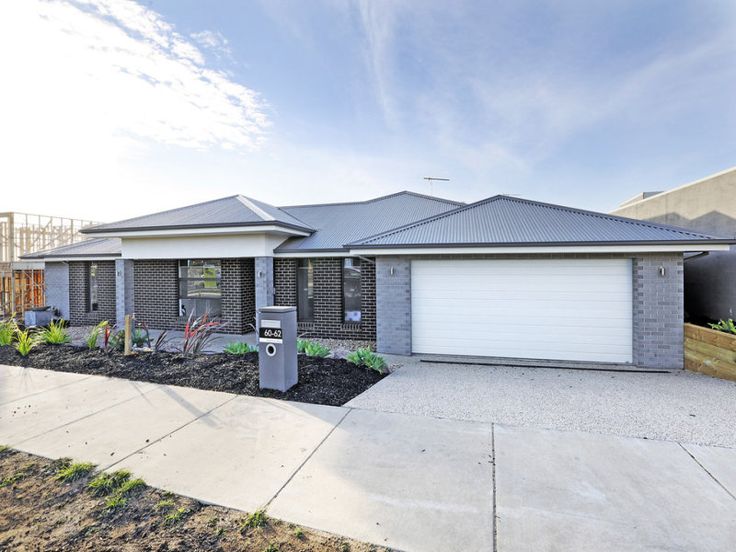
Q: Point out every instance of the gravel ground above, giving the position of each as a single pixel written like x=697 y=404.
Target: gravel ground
x=678 y=406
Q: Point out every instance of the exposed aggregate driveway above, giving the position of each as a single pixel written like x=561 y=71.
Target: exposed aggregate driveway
x=676 y=406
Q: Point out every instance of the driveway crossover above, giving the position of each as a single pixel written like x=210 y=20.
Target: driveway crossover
x=403 y=481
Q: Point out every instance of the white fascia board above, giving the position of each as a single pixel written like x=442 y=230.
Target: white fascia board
x=664 y=248
x=214 y=231
x=313 y=254
x=36 y=264
x=72 y=259
x=201 y=247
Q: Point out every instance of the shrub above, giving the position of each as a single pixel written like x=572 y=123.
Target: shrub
x=727 y=326
x=314 y=349
x=199 y=333
x=94 y=334
x=240 y=348
x=161 y=341
x=141 y=337
x=25 y=341
x=55 y=334
x=301 y=344
x=365 y=357
x=8 y=328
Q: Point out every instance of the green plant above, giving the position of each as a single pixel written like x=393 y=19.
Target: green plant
x=71 y=471
x=4 y=448
x=116 y=486
x=256 y=519
x=94 y=334
x=314 y=349
x=198 y=333
x=8 y=328
x=13 y=479
x=727 y=326
x=271 y=548
x=298 y=533
x=141 y=337
x=301 y=344
x=55 y=334
x=240 y=348
x=116 y=339
x=175 y=516
x=365 y=357
x=164 y=504
x=107 y=483
x=25 y=341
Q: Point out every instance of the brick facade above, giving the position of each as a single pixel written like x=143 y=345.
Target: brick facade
x=156 y=292
x=657 y=305
x=79 y=301
x=658 y=311
x=328 y=300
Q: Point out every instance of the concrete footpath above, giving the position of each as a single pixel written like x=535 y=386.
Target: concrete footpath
x=397 y=480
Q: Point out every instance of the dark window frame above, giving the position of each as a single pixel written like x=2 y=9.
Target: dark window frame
x=183 y=287
x=93 y=287
x=343 y=310
x=300 y=317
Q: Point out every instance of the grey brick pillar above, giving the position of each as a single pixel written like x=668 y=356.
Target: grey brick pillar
x=264 y=281
x=56 y=281
x=393 y=305
x=658 y=311
x=124 y=294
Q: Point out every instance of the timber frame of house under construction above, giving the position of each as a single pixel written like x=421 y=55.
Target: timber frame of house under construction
x=22 y=282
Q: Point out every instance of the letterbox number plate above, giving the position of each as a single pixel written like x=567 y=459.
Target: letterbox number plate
x=270 y=335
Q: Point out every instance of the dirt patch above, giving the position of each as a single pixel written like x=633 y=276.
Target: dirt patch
x=38 y=512
x=331 y=381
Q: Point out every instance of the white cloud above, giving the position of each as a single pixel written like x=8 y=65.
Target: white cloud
x=213 y=41
x=93 y=86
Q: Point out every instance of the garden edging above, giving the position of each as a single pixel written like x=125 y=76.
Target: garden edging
x=710 y=352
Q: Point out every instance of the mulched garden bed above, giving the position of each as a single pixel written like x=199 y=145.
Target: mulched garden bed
x=331 y=381
x=39 y=512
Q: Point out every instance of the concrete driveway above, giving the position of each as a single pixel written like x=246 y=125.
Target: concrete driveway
x=677 y=406
x=404 y=481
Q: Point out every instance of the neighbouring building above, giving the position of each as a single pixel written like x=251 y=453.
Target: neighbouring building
x=502 y=277
x=22 y=280
x=707 y=206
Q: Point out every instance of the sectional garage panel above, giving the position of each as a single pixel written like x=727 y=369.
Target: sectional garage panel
x=562 y=309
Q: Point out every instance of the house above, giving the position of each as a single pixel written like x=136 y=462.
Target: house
x=706 y=206
x=502 y=277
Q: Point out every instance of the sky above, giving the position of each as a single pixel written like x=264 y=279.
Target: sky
x=112 y=109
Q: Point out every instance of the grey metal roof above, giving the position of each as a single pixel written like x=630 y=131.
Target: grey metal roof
x=337 y=224
x=503 y=220
x=235 y=210
x=93 y=247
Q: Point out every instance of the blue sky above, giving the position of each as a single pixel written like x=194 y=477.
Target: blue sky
x=137 y=107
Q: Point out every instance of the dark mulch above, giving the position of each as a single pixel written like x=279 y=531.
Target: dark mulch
x=330 y=381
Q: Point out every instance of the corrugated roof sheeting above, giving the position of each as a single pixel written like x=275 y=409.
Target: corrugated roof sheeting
x=339 y=224
x=503 y=220
x=225 y=211
x=86 y=248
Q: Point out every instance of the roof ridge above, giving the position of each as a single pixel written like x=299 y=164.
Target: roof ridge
x=379 y=198
x=596 y=214
x=248 y=204
x=160 y=212
x=499 y=197
x=426 y=220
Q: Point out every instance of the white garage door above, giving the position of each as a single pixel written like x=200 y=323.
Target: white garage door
x=562 y=309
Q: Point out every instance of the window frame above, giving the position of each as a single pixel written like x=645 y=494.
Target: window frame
x=300 y=318
x=93 y=287
x=360 y=290
x=183 y=288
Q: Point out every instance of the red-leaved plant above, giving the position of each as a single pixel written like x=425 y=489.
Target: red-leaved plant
x=199 y=333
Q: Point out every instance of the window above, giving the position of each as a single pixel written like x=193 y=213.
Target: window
x=305 y=290
x=351 y=294
x=92 y=287
x=200 y=288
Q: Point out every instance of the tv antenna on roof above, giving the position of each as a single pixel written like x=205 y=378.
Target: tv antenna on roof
x=431 y=179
